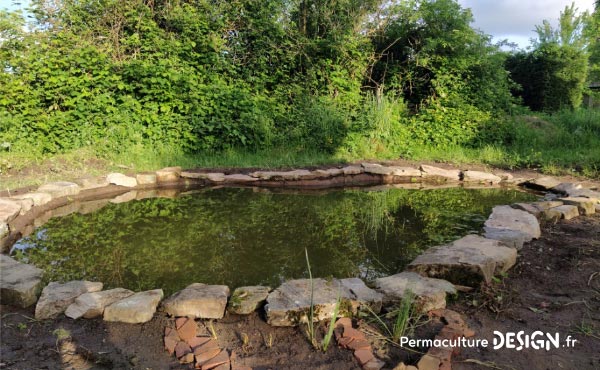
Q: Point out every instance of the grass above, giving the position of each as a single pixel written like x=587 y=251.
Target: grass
x=310 y=326
x=404 y=322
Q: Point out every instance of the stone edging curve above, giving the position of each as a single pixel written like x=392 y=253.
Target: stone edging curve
x=431 y=276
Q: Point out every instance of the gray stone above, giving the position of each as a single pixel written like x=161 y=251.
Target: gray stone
x=565 y=212
x=405 y=171
x=586 y=206
x=377 y=169
x=566 y=187
x=90 y=305
x=20 y=283
x=146 y=178
x=39 y=199
x=528 y=207
x=505 y=176
x=429 y=294
x=92 y=182
x=193 y=175
x=512 y=238
x=543 y=183
x=466 y=261
x=330 y=172
x=25 y=203
x=198 y=301
x=168 y=174
x=122 y=180
x=508 y=218
x=289 y=305
x=135 y=309
x=60 y=189
x=248 y=299
x=125 y=197
x=431 y=171
x=57 y=297
x=9 y=210
x=544 y=205
x=352 y=170
x=481 y=177
x=285 y=175
x=239 y=179
x=215 y=177
x=587 y=193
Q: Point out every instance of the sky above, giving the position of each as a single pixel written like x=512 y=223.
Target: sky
x=504 y=19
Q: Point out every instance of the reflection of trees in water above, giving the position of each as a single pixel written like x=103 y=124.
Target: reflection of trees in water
x=237 y=237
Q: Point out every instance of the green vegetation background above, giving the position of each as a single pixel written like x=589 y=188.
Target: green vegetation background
x=292 y=82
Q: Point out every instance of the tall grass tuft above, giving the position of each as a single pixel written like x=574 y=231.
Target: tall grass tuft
x=311 y=325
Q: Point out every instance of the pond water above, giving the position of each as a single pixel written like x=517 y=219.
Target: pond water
x=244 y=237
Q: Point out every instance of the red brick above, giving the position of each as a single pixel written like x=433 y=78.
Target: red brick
x=220 y=359
x=198 y=341
x=363 y=356
x=187 y=331
x=181 y=349
x=353 y=333
x=180 y=321
x=170 y=344
x=360 y=344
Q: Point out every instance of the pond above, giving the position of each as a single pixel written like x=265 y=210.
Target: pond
x=241 y=236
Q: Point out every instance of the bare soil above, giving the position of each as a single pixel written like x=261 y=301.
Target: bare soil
x=555 y=287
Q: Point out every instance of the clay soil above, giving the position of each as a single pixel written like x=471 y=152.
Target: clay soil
x=555 y=287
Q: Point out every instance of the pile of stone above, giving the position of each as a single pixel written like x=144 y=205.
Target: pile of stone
x=355 y=340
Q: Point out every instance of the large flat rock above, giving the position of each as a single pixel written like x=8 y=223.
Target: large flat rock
x=508 y=218
x=20 y=283
x=248 y=299
x=90 y=305
x=60 y=189
x=198 y=301
x=119 y=179
x=429 y=293
x=431 y=171
x=543 y=183
x=168 y=174
x=39 y=199
x=481 y=177
x=135 y=309
x=565 y=212
x=289 y=305
x=377 y=169
x=586 y=206
x=56 y=297
x=466 y=261
x=9 y=210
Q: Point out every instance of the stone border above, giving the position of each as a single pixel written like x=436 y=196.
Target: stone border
x=431 y=276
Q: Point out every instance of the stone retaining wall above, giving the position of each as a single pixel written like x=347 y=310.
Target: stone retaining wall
x=431 y=276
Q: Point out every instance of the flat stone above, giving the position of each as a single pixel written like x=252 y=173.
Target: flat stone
x=428 y=362
x=543 y=183
x=508 y=218
x=248 y=299
x=566 y=187
x=239 y=179
x=431 y=171
x=92 y=182
x=9 y=210
x=146 y=178
x=586 y=206
x=122 y=180
x=377 y=169
x=125 y=197
x=466 y=261
x=586 y=193
x=193 y=175
x=20 y=284
x=135 y=309
x=198 y=301
x=544 y=205
x=60 y=189
x=285 y=175
x=505 y=176
x=215 y=177
x=565 y=212
x=429 y=293
x=289 y=305
x=90 y=305
x=528 y=207
x=168 y=174
x=406 y=171
x=511 y=238
x=352 y=170
x=57 y=297
x=481 y=177
x=39 y=199
x=26 y=204
x=330 y=172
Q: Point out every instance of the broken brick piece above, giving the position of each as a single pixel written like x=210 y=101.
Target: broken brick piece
x=374 y=364
x=359 y=344
x=220 y=359
x=353 y=333
x=170 y=332
x=180 y=321
x=170 y=344
x=210 y=345
x=182 y=349
x=188 y=358
x=363 y=356
x=187 y=330
x=345 y=342
x=198 y=341
x=205 y=356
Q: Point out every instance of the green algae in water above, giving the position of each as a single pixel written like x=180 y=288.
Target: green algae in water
x=243 y=237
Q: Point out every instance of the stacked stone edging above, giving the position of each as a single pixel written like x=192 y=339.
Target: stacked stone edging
x=468 y=260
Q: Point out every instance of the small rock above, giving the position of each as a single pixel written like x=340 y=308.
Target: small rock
x=585 y=206
x=246 y=300
x=374 y=364
x=56 y=297
x=90 y=305
x=168 y=174
x=121 y=180
x=60 y=189
x=430 y=171
x=198 y=301
x=481 y=177
x=146 y=178
x=9 y=210
x=20 y=283
x=429 y=293
x=565 y=212
x=544 y=205
x=428 y=362
x=377 y=169
x=39 y=199
x=566 y=187
x=135 y=309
